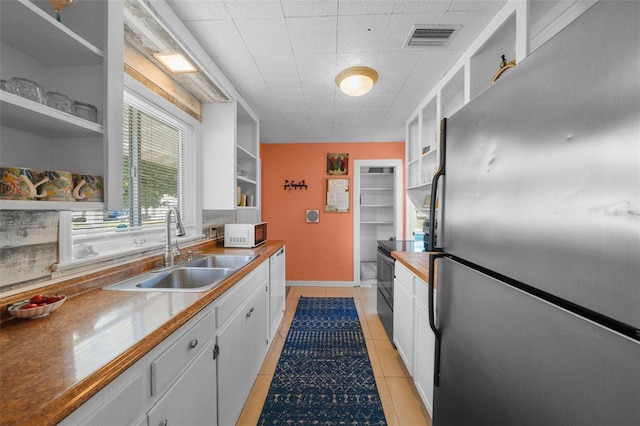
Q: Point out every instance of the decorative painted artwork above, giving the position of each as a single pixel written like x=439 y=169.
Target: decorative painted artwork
x=337 y=164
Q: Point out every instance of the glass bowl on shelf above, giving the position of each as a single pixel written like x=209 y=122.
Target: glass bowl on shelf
x=59 y=102
x=25 y=88
x=85 y=111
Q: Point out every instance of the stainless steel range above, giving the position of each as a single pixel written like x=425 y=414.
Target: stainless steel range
x=386 y=274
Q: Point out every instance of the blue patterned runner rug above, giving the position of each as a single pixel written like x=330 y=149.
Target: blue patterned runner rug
x=324 y=376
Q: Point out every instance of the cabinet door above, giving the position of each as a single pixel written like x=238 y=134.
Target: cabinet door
x=242 y=346
x=424 y=362
x=191 y=400
x=403 y=323
x=230 y=171
x=277 y=290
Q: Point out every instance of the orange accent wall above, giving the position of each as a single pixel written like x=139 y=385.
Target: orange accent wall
x=315 y=251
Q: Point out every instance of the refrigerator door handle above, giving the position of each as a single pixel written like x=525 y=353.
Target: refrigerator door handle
x=434 y=187
x=432 y=316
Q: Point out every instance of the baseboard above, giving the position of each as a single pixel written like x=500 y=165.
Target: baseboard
x=320 y=284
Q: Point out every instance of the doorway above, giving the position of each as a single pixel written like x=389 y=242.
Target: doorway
x=377 y=213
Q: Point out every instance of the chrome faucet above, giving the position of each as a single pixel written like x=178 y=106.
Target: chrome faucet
x=168 y=251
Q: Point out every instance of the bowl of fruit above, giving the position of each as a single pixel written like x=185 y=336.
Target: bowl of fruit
x=38 y=306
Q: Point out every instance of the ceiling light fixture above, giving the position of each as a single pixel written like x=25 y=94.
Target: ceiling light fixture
x=175 y=62
x=356 y=81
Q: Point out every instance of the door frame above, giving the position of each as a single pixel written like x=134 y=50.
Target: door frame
x=398 y=205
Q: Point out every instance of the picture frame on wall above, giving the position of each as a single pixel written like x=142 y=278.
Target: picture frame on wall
x=338 y=164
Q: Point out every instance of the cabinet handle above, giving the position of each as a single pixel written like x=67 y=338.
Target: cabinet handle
x=193 y=343
x=165 y=422
x=250 y=311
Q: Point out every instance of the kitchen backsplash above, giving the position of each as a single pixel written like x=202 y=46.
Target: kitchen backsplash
x=29 y=244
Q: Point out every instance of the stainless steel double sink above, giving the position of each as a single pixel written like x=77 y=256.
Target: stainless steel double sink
x=201 y=274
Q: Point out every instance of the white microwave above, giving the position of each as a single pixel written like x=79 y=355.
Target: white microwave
x=245 y=235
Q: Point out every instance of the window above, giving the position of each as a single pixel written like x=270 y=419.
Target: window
x=158 y=157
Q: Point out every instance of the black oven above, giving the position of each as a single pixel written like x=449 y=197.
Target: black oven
x=385 y=275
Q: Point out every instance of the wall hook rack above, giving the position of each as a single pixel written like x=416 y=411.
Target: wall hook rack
x=293 y=185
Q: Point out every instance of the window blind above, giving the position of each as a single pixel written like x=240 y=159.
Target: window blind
x=157 y=152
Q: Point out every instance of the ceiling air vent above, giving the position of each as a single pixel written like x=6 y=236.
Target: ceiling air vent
x=431 y=35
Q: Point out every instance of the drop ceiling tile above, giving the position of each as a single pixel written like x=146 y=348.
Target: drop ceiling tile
x=291 y=105
x=345 y=114
x=318 y=87
x=317 y=67
x=239 y=66
x=421 y=6
x=252 y=88
x=493 y=5
x=377 y=102
x=298 y=126
x=258 y=9
x=316 y=103
x=371 y=117
x=312 y=34
x=288 y=88
x=310 y=8
x=218 y=38
x=265 y=36
x=387 y=85
x=364 y=134
x=365 y=7
x=352 y=59
x=361 y=33
x=277 y=67
x=320 y=115
x=194 y=10
x=398 y=64
x=319 y=125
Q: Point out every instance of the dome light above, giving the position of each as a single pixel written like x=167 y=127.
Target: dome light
x=356 y=81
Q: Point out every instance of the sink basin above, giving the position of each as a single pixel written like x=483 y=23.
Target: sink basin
x=201 y=274
x=221 y=261
x=182 y=279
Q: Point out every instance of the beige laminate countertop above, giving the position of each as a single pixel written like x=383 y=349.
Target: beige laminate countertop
x=50 y=366
x=418 y=263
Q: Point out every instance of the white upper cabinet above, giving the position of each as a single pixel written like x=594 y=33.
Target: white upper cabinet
x=80 y=57
x=230 y=163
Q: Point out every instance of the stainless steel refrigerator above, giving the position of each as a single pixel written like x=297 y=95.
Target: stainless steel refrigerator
x=538 y=279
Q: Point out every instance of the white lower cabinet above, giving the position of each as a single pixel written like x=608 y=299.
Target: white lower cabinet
x=403 y=321
x=200 y=375
x=412 y=334
x=425 y=356
x=242 y=344
x=191 y=400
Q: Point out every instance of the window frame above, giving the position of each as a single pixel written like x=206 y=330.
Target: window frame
x=122 y=244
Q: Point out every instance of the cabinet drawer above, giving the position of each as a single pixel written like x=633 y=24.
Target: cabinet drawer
x=239 y=293
x=191 y=400
x=172 y=361
x=404 y=277
x=121 y=407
